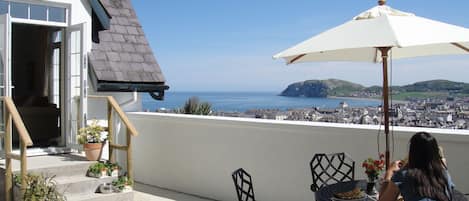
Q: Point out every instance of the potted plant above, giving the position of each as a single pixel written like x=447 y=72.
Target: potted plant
x=90 y=138
x=123 y=184
x=38 y=188
x=98 y=170
x=113 y=169
x=372 y=170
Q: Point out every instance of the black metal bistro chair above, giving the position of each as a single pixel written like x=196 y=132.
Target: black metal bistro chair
x=331 y=168
x=243 y=184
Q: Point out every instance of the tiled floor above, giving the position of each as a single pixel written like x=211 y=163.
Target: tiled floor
x=149 y=193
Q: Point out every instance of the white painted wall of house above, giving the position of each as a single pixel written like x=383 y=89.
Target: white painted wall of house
x=197 y=155
x=97 y=109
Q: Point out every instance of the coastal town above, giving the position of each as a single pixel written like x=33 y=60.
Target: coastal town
x=449 y=113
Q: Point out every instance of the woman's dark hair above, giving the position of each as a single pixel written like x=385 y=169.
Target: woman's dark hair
x=426 y=170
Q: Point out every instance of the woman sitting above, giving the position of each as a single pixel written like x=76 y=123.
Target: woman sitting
x=424 y=177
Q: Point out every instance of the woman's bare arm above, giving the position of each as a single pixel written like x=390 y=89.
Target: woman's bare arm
x=389 y=191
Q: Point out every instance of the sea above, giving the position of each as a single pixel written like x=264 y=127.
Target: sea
x=243 y=101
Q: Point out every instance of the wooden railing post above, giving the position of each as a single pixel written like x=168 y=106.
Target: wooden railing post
x=130 y=168
x=110 y=133
x=23 y=167
x=7 y=142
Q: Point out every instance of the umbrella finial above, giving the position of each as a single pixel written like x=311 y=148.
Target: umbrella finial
x=381 y=2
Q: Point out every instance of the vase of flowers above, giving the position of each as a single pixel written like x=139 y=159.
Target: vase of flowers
x=373 y=167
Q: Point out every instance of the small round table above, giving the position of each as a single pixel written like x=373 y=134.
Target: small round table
x=327 y=192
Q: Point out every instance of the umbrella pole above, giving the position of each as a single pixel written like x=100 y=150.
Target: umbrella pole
x=384 y=55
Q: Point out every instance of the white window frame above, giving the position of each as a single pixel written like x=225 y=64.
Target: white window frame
x=41 y=22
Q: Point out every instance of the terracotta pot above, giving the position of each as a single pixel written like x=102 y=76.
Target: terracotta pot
x=93 y=151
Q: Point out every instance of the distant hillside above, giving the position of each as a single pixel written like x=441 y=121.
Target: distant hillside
x=341 y=88
x=321 y=88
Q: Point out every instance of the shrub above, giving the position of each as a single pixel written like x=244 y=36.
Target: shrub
x=193 y=106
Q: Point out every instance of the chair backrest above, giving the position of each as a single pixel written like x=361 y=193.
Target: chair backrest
x=243 y=184
x=331 y=168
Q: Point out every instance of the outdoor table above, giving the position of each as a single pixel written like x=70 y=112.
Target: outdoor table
x=327 y=192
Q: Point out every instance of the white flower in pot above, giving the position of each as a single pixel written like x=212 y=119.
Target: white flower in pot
x=90 y=137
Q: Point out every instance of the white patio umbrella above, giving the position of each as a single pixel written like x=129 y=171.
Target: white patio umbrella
x=370 y=36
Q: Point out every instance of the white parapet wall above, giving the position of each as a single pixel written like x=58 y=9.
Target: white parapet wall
x=196 y=155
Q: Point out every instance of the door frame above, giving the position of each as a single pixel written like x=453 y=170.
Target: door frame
x=68 y=133
x=5 y=62
x=74 y=120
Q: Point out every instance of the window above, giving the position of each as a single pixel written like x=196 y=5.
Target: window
x=19 y=10
x=56 y=39
x=56 y=76
x=3 y=7
x=38 y=12
x=34 y=11
x=56 y=14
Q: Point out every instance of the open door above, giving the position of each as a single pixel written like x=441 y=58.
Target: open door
x=75 y=91
x=5 y=75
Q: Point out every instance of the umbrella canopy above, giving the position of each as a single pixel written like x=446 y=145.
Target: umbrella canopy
x=372 y=34
x=358 y=39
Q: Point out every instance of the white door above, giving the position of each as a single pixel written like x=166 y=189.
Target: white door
x=5 y=68
x=75 y=98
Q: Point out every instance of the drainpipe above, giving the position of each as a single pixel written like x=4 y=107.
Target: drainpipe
x=131 y=101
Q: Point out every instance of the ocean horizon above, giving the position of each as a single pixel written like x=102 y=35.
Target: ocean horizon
x=243 y=101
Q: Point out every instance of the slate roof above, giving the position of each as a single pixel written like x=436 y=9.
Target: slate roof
x=123 y=54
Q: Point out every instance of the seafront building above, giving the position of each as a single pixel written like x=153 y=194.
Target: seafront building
x=97 y=48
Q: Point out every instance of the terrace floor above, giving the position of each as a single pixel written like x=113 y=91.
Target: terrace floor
x=142 y=192
x=150 y=193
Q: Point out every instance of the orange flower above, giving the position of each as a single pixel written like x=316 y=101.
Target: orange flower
x=373 y=167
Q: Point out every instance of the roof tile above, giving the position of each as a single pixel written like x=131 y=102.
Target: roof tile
x=132 y=30
x=108 y=75
x=141 y=39
x=125 y=56
x=119 y=76
x=137 y=58
x=138 y=67
x=133 y=75
x=116 y=47
x=118 y=37
x=134 y=22
x=105 y=37
x=128 y=47
x=122 y=21
x=119 y=29
x=113 y=56
x=149 y=58
x=125 y=12
x=130 y=39
x=146 y=76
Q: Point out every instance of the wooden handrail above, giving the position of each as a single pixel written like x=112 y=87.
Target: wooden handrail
x=119 y=112
x=15 y=115
x=130 y=132
x=12 y=115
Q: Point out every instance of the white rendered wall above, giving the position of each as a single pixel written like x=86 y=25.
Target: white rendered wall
x=97 y=108
x=197 y=155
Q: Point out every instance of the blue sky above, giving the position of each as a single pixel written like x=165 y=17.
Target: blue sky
x=227 y=45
